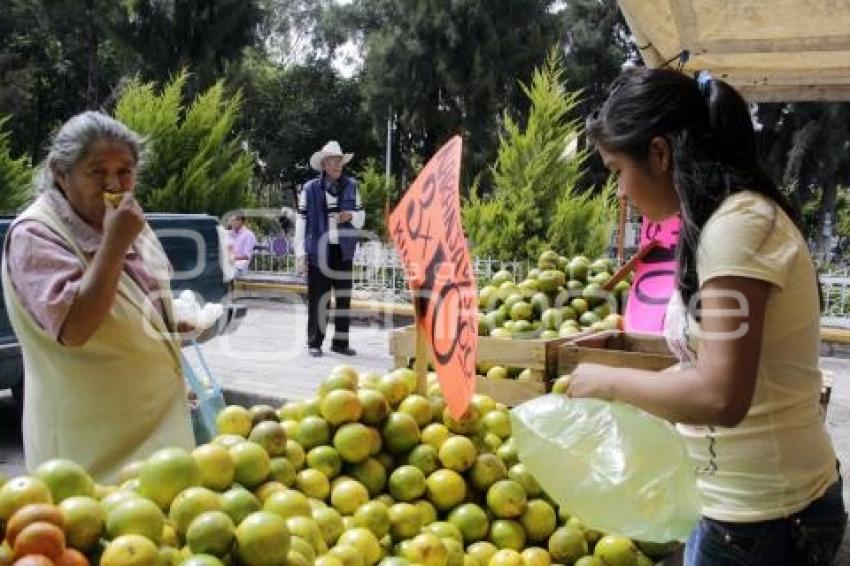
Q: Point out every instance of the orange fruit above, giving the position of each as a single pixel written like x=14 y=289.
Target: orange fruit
x=419 y=408
x=7 y=556
x=271 y=436
x=313 y=483
x=281 y=470
x=374 y=516
x=400 y=432
x=330 y=523
x=487 y=470
x=348 y=495
x=267 y=489
x=33 y=560
x=425 y=457
x=482 y=550
x=166 y=473
x=395 y=388
x=354 y=442
x=238 y=503
x=262 y=539
x=65 y=479
x=405 y=521
x=252 y=464
x=407 y=483
x=538 y=520
x=567 y=544
x=616 y=551
x=216 y=466
x=306 y=529
x=458 y=453
x=21 y=491
x=85 y=521
x=113 y=499
x=234 y=419
x=371 y=474
x=467 y=425
x=507 y=534
x=472 y=522
x=289 y=503
x=375 y=406
x=506 y=557
x=189 y=504
x=312 y=431
x=341 y=406
x=136 y=516
x=30 y=514
x=435 y=434
x=446 y=489
x=427 y=511
x=506 y=499
x=130 y=550
x=72 y=557
x=260 y=413
x=426 y=549
x=295 y=454
x=212 y=533
x=41 y=538
x=325 y=459
x=536 y=556
x=348 y=555
x=365 y=542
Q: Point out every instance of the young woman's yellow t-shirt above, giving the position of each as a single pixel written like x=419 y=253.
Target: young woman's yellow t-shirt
x=779 y=458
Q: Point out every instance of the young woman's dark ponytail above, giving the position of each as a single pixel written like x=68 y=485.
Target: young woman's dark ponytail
x=712 y=142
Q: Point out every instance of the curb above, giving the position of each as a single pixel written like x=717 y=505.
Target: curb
x=247 y=399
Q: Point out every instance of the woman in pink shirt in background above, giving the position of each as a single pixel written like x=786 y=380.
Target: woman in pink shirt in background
x=241 y=242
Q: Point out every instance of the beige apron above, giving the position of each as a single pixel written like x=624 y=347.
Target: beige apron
x=121 y=395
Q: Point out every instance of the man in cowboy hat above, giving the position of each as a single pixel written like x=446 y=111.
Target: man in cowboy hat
x=329 y=215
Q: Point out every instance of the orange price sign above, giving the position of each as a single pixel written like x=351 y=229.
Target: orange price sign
x=427 y=231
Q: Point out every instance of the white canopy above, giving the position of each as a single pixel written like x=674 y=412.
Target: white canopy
x=770 y=50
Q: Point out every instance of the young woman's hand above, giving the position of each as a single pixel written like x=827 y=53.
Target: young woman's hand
x=590 y=380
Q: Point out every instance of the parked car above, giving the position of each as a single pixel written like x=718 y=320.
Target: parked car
x=194 y=243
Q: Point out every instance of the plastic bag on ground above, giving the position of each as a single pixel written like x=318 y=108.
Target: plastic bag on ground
x=617 y=468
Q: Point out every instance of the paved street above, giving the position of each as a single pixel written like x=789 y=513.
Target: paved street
x=265 y=361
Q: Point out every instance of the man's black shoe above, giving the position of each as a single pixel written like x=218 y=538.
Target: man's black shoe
x=315 y=352
x=344 y=350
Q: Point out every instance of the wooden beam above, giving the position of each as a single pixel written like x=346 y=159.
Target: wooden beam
x=794 y=93
x=793 y=45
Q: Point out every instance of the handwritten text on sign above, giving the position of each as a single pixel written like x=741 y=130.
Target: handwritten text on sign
x=655 y=277
x=426 y=228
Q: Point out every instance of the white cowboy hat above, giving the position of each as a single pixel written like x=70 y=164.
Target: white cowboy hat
x=331 y=149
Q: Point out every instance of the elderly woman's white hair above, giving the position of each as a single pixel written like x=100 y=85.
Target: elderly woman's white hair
x=73 y=140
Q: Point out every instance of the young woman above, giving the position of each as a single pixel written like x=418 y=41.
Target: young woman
x=745 y=323
x=87 y=290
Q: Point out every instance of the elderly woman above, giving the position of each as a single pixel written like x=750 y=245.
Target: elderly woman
x=86 y=286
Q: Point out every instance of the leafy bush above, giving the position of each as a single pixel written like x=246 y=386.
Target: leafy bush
x=372 y=186
x=195 y=161
x=535 y=204
x=15 y=176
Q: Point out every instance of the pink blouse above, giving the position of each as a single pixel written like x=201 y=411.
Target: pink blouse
x=46 y=272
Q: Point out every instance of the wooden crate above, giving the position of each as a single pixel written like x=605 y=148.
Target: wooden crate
x=617 y=349
x=539 y=355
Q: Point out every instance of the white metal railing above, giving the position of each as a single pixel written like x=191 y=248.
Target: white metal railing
x=379 y=275
x=378 y=272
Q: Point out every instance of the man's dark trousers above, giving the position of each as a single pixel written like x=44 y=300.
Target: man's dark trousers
x=322 y=277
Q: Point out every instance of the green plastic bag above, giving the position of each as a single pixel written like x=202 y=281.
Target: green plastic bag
x=617 y=468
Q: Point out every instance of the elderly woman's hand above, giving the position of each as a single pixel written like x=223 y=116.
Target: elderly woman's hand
x=590 y=380
x=123 y=223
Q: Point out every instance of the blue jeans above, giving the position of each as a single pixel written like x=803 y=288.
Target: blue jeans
x=808 y=538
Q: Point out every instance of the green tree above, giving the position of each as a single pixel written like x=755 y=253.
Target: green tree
x=378 y=195
x=195 y=160
x=292 y=111
x=56 y=59
x=15 y=175
x=203 y=36
x=536 y=204
x=444 y=67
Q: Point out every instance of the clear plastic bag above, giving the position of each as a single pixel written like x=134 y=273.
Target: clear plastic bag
x=617 y=468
